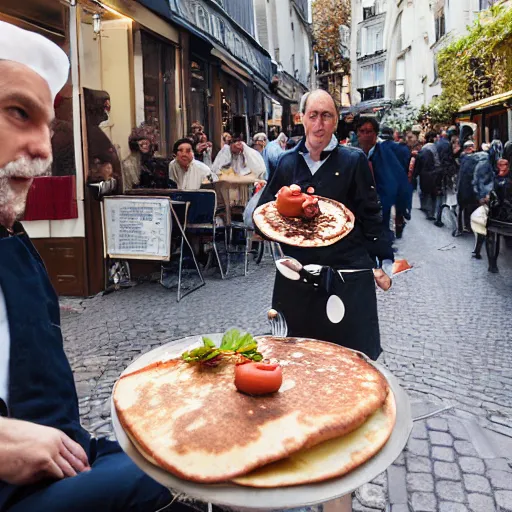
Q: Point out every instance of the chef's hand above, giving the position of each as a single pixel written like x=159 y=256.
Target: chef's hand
x=31 y=452
x=382 y=279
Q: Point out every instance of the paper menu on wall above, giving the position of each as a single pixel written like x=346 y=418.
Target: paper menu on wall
x=137 y=228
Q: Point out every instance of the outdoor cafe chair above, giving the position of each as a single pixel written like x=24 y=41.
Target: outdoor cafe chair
x=201 y=217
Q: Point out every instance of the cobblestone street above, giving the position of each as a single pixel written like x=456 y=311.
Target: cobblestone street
x=447 y=334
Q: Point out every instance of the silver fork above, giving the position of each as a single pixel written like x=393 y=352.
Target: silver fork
x=278 y=326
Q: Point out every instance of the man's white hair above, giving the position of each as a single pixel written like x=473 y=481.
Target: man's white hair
x=259 y=136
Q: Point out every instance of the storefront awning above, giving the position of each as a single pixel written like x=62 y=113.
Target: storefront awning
x=491 y=101
x=159 y=6
x=289 y=89
x=211 y=23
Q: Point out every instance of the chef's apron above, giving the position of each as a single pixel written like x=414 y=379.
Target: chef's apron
x=41 y=385
x=304 y=308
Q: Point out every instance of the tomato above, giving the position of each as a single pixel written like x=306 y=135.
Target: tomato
x=258 y=378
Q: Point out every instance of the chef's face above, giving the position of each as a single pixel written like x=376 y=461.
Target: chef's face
x=320 y=119
x=185 y=154
x=26 y=112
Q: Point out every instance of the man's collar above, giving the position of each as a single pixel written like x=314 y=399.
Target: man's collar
x=17 y=229
x=333 y=144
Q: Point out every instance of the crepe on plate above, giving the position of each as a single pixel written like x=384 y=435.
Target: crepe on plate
x=192 y=421
x=334 y=222
x=331 y=458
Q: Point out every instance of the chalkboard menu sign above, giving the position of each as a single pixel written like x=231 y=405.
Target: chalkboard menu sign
x=137 y=227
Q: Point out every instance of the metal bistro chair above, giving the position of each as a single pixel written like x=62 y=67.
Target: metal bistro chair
x=179 y=211
x=201 y=216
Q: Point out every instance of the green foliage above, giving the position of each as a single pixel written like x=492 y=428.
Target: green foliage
x=439 y=112
x=400 y=116
x=233 y=343
x=475 y=66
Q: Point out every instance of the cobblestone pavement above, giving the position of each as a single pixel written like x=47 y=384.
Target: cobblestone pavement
x=447 y=335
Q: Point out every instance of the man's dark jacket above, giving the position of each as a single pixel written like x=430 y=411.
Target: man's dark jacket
x=345 y=176
x=465 y=193
x=390 y=162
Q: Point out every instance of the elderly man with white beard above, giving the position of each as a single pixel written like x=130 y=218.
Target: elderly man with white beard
x=48 y=462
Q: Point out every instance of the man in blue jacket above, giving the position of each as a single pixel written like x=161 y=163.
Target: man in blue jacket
x=396 y=156
x=341 y=173
x=48 y=462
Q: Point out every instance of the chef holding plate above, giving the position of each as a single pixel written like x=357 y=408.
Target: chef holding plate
x=342 y=306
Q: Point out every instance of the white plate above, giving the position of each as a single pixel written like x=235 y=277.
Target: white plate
x=282 y=497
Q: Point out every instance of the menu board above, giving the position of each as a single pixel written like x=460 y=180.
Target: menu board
x=137 y=227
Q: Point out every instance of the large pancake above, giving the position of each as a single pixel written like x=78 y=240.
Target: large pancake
x=194 y=423
x=332 y=458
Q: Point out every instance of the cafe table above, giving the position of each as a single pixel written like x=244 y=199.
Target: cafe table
x=233 y=190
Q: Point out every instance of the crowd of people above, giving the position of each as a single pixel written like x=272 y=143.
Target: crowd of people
x=192 y=163
x=443 y=165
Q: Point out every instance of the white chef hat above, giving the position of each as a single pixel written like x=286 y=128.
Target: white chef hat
x=36 y=52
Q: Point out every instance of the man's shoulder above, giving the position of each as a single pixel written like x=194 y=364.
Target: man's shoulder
x=288 y=157
x=200 y=165
x=350 y=153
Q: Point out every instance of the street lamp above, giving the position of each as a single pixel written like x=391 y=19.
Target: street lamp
x=96 y=23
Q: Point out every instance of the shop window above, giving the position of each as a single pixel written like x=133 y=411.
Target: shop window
x=440 y=24
x=372 y=93
x=203 y=19
x=486 y=4
x=159 y=86
x=368 y=12
x=199 y=91
x=105 y=76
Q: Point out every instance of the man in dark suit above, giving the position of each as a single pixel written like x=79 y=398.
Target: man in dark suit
x=341 y=173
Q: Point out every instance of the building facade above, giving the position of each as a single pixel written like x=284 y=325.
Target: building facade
x=283 y=28
x=395 y=44
x=167 y=63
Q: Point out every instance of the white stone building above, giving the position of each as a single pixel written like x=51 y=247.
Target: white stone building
x=284 y=30
x=395 y=42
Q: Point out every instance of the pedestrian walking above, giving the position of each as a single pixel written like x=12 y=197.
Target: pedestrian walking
x=467 y=201
x=402 y=154
x=483 y=183
x=341 y=173
x=272 y=153
x=447 y=149
x=388 y=170
x=427 y=166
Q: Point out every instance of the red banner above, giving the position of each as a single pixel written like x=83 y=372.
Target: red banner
x=52 y=198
